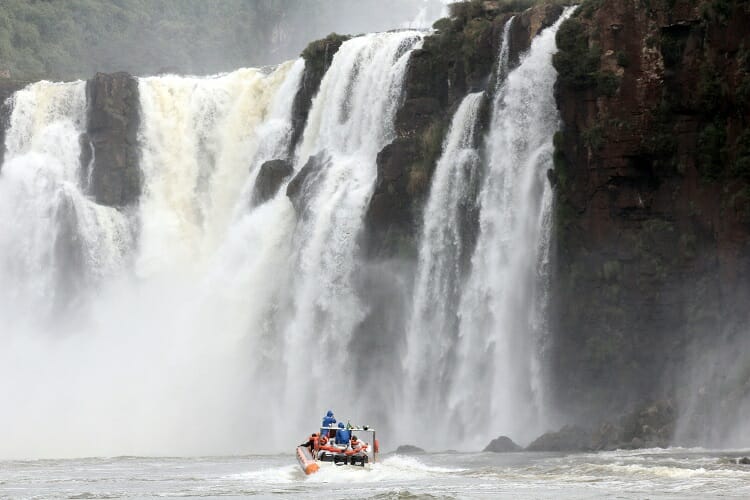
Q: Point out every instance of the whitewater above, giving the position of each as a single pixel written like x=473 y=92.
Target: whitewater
x=676 y=473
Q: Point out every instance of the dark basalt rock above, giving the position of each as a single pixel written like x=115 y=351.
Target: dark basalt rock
x=303 y=186
x=409 y=449
x=270 y=177
x=652 y=207
x=650 y=426
x=569 y=438
x=502 y=444
x=743 y=461
x=113 y=117
x=458 y=59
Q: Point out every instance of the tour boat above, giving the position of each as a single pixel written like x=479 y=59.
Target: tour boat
x=325 y=450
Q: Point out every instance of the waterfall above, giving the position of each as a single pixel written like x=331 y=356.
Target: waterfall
x=431 y=334
x=195 y=319
x=471 y=361
x=350 y=121
x=200 y=137
x=497 y=385
x=202 y=327
x=171 y=294
x=52 y=238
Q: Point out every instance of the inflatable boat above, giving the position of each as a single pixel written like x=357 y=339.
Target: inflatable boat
x=324 y=450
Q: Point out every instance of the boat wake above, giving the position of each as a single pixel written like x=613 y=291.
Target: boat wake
x=392 y=469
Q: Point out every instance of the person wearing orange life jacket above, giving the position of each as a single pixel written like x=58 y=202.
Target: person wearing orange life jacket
x=357 y=445
x=312 y=443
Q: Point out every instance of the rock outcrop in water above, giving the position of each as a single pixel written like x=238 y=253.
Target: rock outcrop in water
x=409 y=449
x=569 y=438
x=649 y=426
x=270 y=177
x=502 y=444
x=111 y=130
x=302 y=186
x=653 y=196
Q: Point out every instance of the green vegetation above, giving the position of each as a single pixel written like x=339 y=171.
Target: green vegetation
x=741 y=166
x=593 y=137
x=70 y=39
x=717 y=10
x=711 y=91
x=588 y=7
x=319 y=53
x=465 y=10
x=661 y=143
x=712 y=150
x=575 y=62
x=607 y=83
x=430 y=146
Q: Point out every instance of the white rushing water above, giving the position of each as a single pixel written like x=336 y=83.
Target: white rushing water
x=350 y=121
x=204 y=311
x=474 y=337
x=195 y=319
x=497 y=385
x=676 y=473
x=157 y=344
x=42 y=206
x=200 y=138
x=431 y=336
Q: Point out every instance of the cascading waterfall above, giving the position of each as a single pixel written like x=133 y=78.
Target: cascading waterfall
x=200 y=138
x=497 y=384
x=203 y=318
x=52 y=238
x=350 y=121
x=160 y=354
x=431 y=335
x=190 y=346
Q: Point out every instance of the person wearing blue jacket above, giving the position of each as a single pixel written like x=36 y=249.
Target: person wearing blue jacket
x=343 y=435
x=328 y=421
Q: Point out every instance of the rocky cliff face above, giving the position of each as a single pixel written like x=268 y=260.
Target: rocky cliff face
x=111 y=139
x=652 y=176
x=460 y=58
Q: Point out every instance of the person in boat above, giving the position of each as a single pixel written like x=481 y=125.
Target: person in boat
x=328 y=421
x=343 y=435
x=357 y=444
x=311 y=443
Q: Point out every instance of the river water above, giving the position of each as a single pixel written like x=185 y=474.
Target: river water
x=652 y=473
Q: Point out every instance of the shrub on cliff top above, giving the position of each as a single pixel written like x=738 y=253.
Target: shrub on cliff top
x=319 y=53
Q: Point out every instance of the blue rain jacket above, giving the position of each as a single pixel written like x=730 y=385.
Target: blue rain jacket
x=343 y=436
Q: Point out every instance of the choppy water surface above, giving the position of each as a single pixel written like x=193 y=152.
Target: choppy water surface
x=675 y=473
